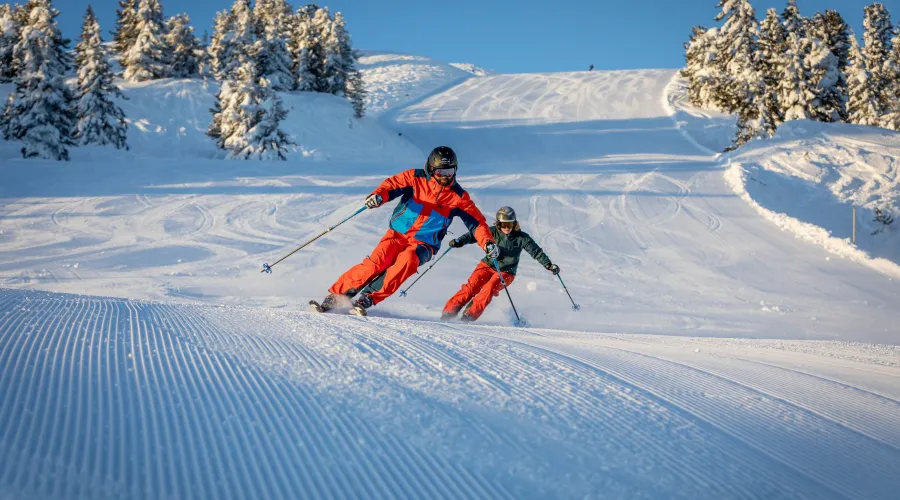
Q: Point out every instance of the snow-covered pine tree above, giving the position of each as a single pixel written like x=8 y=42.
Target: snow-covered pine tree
x=246 y=118
x=100 y=120
x=311 y=76
x=862 y=101
x=356 y=92
x=340 y=59
x=826 y=102
x=700 y=67
x=126 y=25
x=148 y=57
x=875 y=52
x=891 y=118
x=273 y=59
x=835 y=34
x=220 y=48
x=772 y=49
x=265 y=140
x=792 y=21
x=793 y=89
x=9 y=35
x=184 y=47
x=737 y=47
x=39 y=113
x=241 y=42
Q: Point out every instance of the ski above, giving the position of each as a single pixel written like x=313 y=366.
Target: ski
x=316 y=307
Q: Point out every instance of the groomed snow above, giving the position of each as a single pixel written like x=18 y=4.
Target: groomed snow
x=715 y=355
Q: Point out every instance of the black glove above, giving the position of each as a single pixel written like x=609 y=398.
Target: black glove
x=374 y=201
x=492 y=250
x=553 y=268
x=454 y=244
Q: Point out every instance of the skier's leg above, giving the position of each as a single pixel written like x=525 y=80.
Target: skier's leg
x=405 y=265
x=485 y=295
x=479 y=277
x=380 y=259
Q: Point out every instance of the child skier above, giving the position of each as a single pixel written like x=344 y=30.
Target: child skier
x=429 y=200
x=484 y=283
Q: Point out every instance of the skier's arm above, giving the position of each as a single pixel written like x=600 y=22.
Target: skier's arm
x=535 y=251
x=466 y=239
x=474 y=220
x=395 y=186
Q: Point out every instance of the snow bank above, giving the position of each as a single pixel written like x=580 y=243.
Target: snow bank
x=808 y=178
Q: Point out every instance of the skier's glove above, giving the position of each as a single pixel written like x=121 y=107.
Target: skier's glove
x=553 y=268
x=454 y=244
x=374 y=201
x=492 y=250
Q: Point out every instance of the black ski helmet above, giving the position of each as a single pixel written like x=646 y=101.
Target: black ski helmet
x=440 y=157
x=506 y=214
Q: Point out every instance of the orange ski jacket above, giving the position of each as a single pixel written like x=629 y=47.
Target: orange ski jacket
x=427 y=208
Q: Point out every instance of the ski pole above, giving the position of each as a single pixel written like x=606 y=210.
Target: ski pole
x=503 y=282
x=575 y=306
x=268 y=269
x=403 y=292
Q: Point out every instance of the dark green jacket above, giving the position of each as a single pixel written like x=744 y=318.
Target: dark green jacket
x=510 y=248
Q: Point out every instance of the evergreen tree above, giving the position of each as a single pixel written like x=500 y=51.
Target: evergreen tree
x=835 y=33
x=9 y=35
x=221 y=48
x=876 y=50
x=307 y=48
x=356 y=92
x=822 y=74
x=737 y=48
x=39 y=112
x=240 y=46
x=246 y=118
x=184 y=61
x=862 y=100
x=891 y=117
x=340 y=59
x=700 y=66
x=273 y=59
x=792 y=20
x=148 y=57
x=126 y=25
x=100 y=120
x=794 y=91
x=772 y=50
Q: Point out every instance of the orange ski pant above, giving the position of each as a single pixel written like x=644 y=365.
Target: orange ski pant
x=483 y=285
x=395 y=254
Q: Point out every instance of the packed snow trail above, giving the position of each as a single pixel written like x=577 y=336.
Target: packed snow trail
x=112 y=398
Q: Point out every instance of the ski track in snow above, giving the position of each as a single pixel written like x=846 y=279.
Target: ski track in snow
x=114 y=398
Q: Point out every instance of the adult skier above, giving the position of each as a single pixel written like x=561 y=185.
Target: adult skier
x=484 y=283
x=429 y=200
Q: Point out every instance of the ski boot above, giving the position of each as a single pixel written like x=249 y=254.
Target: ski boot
x=361 y=304
x=328 y=303
x=448 y=316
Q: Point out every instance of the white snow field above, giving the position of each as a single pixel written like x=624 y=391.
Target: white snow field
x=725 y=347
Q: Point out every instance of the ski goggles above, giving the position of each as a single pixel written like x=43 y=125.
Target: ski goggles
x=506 y=225
x=444 y=172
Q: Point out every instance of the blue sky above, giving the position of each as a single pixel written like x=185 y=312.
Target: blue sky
x=510 y=36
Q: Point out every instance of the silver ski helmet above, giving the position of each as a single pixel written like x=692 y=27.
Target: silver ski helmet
x=506 y=214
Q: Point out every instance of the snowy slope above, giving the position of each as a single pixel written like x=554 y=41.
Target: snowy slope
x=113 y=398
x=178 y=370
x=397 y=79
